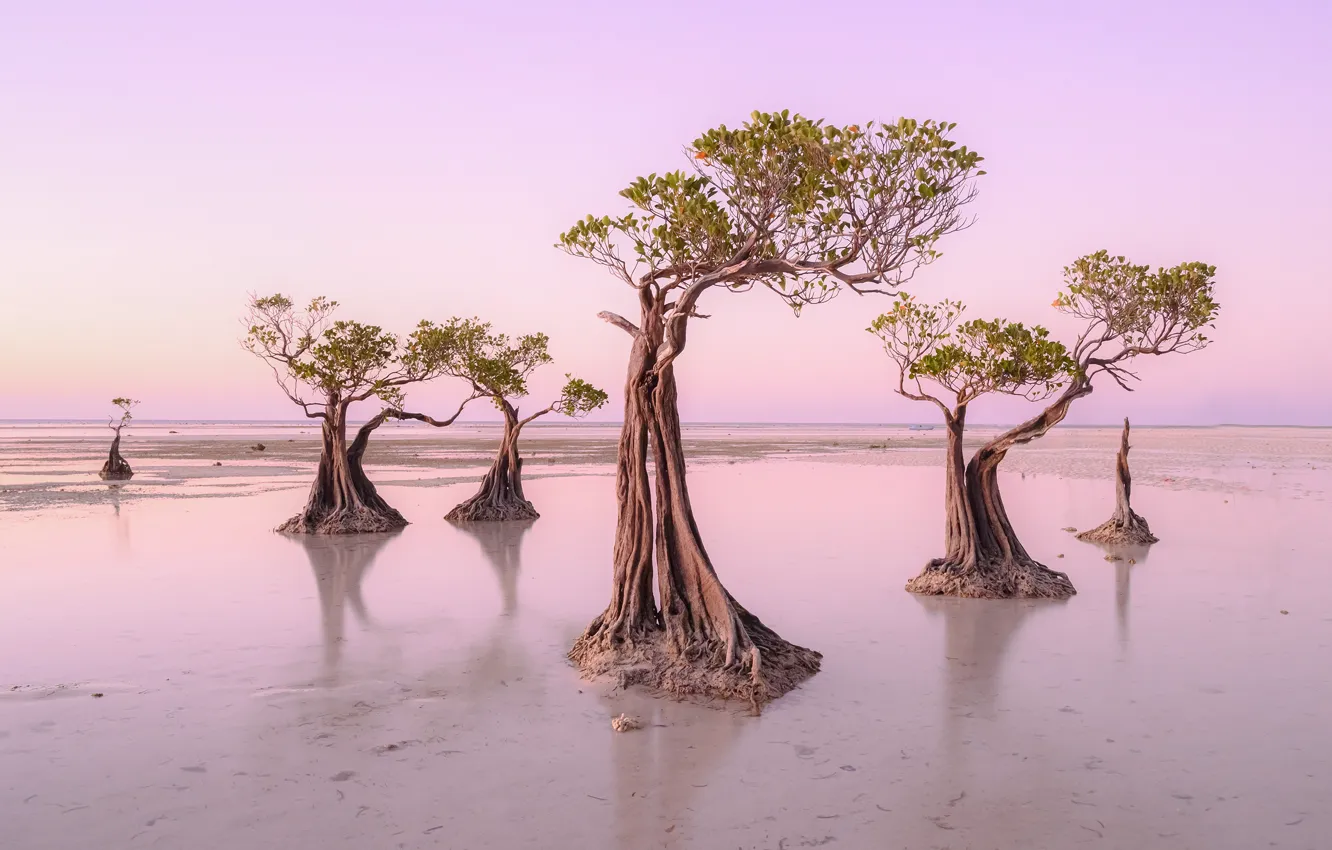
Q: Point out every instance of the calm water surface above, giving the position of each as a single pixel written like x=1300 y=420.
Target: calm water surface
x=410 y=690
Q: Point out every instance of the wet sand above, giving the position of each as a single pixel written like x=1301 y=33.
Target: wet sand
x=43 y=466
x=410 y=690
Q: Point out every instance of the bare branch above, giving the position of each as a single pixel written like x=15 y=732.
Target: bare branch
x=429 y=420
x=620 y=322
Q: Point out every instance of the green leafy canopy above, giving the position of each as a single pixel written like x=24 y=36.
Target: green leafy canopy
x=578 y=398
x=798 y=206
x=972 y=358
x=126 y=406
x=1131 y=310
x=340 y=361
x=495 y=364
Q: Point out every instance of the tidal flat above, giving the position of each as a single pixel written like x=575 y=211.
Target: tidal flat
x=175 y=674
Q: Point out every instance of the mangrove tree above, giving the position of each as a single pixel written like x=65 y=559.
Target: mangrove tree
x=786 y=204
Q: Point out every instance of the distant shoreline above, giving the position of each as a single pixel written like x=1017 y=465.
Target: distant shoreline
x=607 y=424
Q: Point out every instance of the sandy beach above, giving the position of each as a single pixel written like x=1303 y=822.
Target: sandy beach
x=172 y=673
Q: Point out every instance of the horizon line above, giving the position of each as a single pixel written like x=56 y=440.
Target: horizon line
x=619 y=423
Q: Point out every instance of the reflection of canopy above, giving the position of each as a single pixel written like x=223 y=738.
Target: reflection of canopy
x=502 y=544
x=340 y=563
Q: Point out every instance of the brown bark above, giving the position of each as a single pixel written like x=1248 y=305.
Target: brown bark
x=701 y=642
x=342 y=499
x=500 y=497
x=115 y=468
x=632 y=618
x=1002 y=569
x=1125 y=527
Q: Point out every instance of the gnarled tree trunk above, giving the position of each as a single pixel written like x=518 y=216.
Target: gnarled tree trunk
x=342 y=500
x=702 y=642
x=1002 y=568
x=500 y=497
x=631 y=620
x=961 y=549
x=115 y=468
x=1125 y=527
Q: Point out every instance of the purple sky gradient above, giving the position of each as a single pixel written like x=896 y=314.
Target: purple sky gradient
x=158 y=161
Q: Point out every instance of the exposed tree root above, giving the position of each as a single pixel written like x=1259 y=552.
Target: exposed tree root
x=116 y=469
x=357 y=520
x=1020 y=578
x=481 y=508
x=1113 y=532
x=698 y=670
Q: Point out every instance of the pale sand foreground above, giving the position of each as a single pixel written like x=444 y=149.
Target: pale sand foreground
x=410 y=691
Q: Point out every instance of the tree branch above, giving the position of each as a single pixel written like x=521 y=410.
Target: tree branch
x=620 y=322
x=429 y=420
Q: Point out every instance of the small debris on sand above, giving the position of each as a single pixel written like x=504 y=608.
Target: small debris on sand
x=1133 y=560
x=1113 y=558
x=99 y=696
x=1070 y=529
x=625 y=723
x=1284 y=611
x=258 y=447
x=1060 y=555
x=217 y=463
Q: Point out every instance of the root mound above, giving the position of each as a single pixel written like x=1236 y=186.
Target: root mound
x=1016 y=579
x=121 y=472
x=1135 y=532
x=350 y=521
x=698 y=670
x=485 y=510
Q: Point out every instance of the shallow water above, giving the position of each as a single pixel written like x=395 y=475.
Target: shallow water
x=410 y=690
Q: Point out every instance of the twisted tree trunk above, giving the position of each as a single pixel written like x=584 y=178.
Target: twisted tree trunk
x=1002 y=569
x=961 y=549
x=500 y=497
x=703 y=642
x=717 y=647
x=1125 y=527
x=115 y=468
x=631 y=620
x=342 y=499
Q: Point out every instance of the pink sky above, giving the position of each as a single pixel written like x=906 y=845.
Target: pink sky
x=159 y=161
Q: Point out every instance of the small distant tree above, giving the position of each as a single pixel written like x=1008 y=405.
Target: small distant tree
x=783 y=204
x=1129 y=312
x=116 y=468
x=325 y=367
x=968 y=360
x=498 y=368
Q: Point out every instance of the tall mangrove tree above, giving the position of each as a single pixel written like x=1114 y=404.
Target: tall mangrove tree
x=782 y=203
